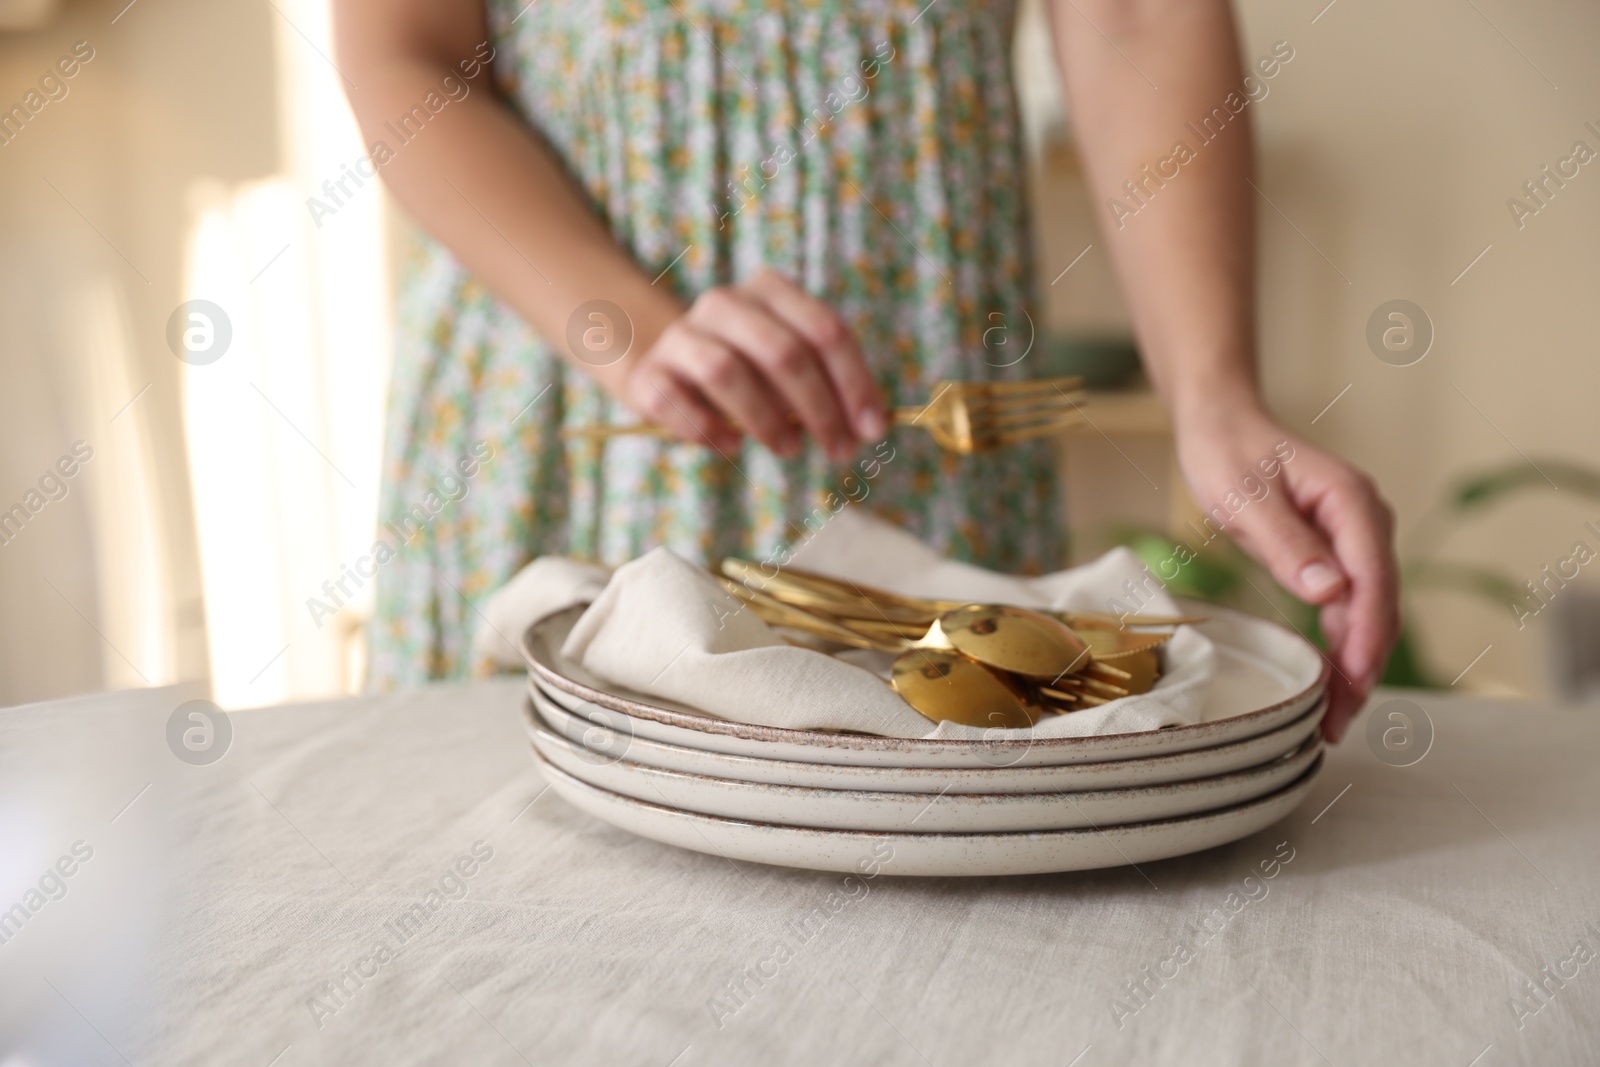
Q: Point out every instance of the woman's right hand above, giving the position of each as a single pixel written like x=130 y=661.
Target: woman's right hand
x=764 y=358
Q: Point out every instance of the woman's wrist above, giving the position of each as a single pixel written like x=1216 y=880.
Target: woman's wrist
x=1215 y=402
x=646 y=312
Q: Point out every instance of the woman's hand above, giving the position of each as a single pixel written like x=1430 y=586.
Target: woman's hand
x=1321 y=529
x=763 y=358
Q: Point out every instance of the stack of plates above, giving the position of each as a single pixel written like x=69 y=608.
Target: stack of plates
x=850 y=802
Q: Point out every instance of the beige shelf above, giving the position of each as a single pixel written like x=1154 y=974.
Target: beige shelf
x=1135 y=412
x=1119 y=469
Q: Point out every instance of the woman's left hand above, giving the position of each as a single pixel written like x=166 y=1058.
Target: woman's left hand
x=1321 y=529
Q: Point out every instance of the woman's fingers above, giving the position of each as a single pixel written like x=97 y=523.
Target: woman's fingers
x=1297 y=554
x=1345 y=698
x=790 y=367
x=1300 y=558
x=1344 y=701
x=858 y=394
x=1325 y=535
x=725 y=376
x=764 y=358
x=1360 y=527
x=1361 y=623
x=660 y=395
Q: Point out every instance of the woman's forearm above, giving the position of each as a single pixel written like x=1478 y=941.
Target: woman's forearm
x=479 y=181
x=1182 y=239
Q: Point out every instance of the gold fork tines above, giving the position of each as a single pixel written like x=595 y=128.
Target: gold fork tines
x=968 y=417
x=961 y=417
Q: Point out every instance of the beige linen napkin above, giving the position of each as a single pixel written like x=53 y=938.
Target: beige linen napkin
x=662 y=626
x=666 y=628
x=547 y=585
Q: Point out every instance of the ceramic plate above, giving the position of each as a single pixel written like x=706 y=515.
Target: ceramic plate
x=602 y=741
x=1265 y=678
x=851 y=851
x=919 y=813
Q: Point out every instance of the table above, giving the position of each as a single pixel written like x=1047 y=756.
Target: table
x=385 y=880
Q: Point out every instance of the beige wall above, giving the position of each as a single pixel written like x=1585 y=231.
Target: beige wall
x=1400 y=132
x=1399 y=135
x=174 y=92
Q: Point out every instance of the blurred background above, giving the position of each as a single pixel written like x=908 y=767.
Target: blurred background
x=165 y=519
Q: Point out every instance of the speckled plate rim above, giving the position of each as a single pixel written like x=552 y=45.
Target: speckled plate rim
x=1171 y=739
x=540 y=710
x=895 y=812
x=934 y=855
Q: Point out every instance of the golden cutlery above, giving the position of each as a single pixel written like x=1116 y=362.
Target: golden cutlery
x=854 y=600
x=939 y=683
x=961 y=417
x=775 y=612
x=1014 y=640
x=983 y=665
x=946 y=686
x=894 y=617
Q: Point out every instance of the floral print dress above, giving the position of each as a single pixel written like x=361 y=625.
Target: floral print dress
x=869 y=149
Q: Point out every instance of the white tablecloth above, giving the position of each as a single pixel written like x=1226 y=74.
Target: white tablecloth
x=223 y=906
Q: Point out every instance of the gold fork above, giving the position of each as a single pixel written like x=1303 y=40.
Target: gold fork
x=961 y=417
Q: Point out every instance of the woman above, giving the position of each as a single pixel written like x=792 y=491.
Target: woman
x=760 y=225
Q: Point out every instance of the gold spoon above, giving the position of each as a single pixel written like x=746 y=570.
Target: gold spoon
x=1010 y=639
x=1029 y=643
x=946 y=686
x=1107 y=650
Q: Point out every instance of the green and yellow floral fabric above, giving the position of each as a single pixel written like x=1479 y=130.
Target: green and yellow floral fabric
x=870 y=150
